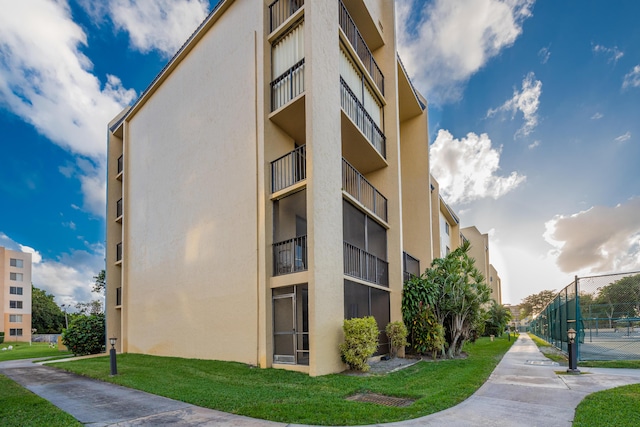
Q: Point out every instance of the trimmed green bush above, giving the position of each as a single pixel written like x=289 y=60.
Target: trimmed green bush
x=86 y=335
x=397 y=333
x=361 y=341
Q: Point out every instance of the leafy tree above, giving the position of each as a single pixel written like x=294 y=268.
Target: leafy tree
x=93 y=307
x=498 y=318
x=86 y=335
x=100 y=283
x=620 y=298
x=417 y=295
x=46 y=316
x=533 y=304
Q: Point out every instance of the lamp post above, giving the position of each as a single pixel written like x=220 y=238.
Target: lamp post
x=66 y=322
x=112 y=356
x=573 y=354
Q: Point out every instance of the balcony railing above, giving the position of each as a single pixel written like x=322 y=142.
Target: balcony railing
x=119 y=252
x=411 y=266
x=119 y=296
x=357 y=42
x=287 y=86
x=119 y=208
x=120 y=163
x=290 y=256
x=356 y=112
x=357 y=185
x=289 y=169
x=365 y=266
x=281 y=10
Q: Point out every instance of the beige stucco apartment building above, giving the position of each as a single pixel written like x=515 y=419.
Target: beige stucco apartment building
x=272 y=181
x=480 y=252
x=15 y=295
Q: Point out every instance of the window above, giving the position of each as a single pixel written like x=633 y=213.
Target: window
x=18 y=263
x=17 y=277
x=15 y=304
x=15 y=332
x=15 y=318
x=15 y=290
x=446 y=228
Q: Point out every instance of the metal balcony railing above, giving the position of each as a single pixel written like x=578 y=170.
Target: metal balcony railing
x=119 y=252
x=360 y=46
x=288 y=85
x=120 y=163
x=363 y=265
x=356 y=112
x=119 y=208
x=357 y=185
x=289 y=169
x=119 y=296
x=281 y=10
x=290 y=256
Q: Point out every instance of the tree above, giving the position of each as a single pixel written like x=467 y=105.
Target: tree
x=100 y=282
x=499 y=317
x=88 y=308
x=46 y=316
x=86 y=335
x=533 y=304
x=620 y=298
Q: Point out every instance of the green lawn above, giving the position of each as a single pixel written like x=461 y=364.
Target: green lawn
x=292 y=397
x=615 y=407
x=22 y=350
x=628 y=364
x=19 y=408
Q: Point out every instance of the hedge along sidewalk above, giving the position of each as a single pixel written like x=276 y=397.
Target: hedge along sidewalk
x=293 y=397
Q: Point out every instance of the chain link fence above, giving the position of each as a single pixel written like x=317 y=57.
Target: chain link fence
x=603 y=310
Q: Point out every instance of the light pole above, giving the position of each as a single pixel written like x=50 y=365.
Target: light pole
x=573 y=354
x=66 y=322
x=112 y=356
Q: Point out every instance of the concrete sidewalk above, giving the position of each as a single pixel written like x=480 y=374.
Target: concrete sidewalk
x=523 y=390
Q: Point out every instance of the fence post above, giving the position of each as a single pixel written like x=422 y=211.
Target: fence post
x=579 y=326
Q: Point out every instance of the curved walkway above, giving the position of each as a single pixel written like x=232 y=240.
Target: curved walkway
x=523 y=390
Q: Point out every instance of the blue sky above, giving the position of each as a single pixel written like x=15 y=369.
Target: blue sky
x=533 y=109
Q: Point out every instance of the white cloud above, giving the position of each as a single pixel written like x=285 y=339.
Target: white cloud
x=624 y=137
x=526 y=101
x=162 y=25
x=613 y=53
x=466 y=168
x=444 y=42
x=534 y=144
x=544 y=55
x=632 y=78
x=46 y=80
x=597 y=116
x=600 y=239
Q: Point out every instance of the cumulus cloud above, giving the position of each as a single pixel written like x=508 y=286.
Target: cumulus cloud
x=467 y=168
x=632 y=78
x=47 y=81
x=597 y=116
x=600 y=239
x=444 y=42
x=525 y=101
x=69 y=277
x=624 y=137
x=612 y=53
x=161 y=25
x=544 y=54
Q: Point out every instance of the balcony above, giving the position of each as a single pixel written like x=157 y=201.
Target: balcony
x=289 y=169
x=287 y=86
x=119 y=296
x=119 y=252
x=354 y=109
x=360 y=47
x=119 y=209
x=120 y=165
x=290 y=256
x=357 y=185
x=365 y=266
x=411 y=266
x=281 y=10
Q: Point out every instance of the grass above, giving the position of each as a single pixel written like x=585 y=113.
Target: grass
x=624 y=364
x=293 y=397
x=19 y=407
x=22 y=350
x=614 y=407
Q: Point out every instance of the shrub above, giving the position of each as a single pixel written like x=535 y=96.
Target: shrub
x=86 y=335
x=361 y=341
x=1 y=337
x=429 y=333
x=397 y=333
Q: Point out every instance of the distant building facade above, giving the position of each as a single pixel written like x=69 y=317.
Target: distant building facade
x=15 y=295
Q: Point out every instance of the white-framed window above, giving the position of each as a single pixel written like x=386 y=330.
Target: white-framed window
x=15 y=290
x=15 y=318
x=446 y=228
x=15 y=332
x=18 y=263
x=15 y=304
x=17 y=277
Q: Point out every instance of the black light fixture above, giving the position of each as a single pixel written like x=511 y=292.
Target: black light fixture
x=573 y=354
x=112 y=356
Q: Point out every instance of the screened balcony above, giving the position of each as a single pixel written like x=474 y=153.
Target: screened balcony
x=363 y=265
x=290 y=256
x=290 y=234
x=119 y=208
x=119 y=296
x=119 y=252
x=357 y=185
x=411 y=266
x=289 y=169
x=281 y=10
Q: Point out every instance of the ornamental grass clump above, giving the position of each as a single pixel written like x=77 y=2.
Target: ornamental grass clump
x=360 y=342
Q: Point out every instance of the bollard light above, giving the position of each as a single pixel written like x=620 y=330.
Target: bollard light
x=573 y=354
x=112 y=356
